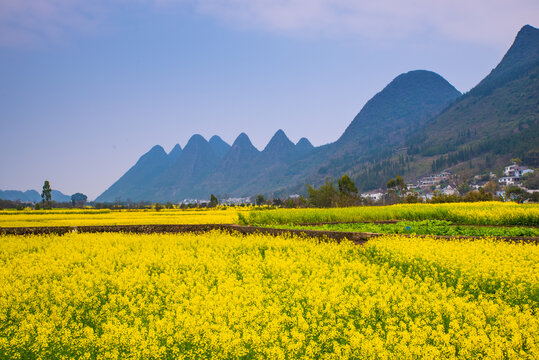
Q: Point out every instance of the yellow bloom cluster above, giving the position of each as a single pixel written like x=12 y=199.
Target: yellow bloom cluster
x=75 y=217
x=226 y=296
x=489 y=213
x=483 y=268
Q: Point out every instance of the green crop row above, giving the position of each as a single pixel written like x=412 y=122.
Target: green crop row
x=424 y=227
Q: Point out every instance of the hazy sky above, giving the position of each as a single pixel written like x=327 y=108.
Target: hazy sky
x=87 y=87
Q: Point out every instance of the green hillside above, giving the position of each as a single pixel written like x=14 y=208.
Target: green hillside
x=497 y=120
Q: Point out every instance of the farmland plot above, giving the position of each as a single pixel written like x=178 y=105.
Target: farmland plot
x=227 y=296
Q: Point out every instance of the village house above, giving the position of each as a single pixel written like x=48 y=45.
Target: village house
x=433 y=179
x=236 y=201
x=508 y=180
x=449 y=190
x=513 y=173
x=376 y=196
x=517 y=171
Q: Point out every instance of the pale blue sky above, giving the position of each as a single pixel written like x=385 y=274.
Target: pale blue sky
x=85 y=90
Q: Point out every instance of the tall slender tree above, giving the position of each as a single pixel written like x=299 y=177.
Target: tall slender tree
x=46 y=195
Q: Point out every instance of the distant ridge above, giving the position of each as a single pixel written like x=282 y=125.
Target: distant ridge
x=32 y=196
x=219 y=146
x=304 y=146
x=174 y=154
x=136 y=179
x=522 y=56
x=419 y=123
x=499 y=114
x=279 y=147
x=405 y=103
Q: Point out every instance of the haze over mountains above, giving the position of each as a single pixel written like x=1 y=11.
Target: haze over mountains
x=32 y=196
x=417 y=124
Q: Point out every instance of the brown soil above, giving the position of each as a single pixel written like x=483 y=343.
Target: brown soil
x=357 y=238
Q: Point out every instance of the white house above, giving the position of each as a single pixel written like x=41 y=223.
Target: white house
x=516 y=171
x=510 y=170
x=509 y=180
x=523 y=171
x=449 y=190
x=373 y=195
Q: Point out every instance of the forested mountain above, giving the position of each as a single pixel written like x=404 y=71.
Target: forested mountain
x=497 y=118
x=405 y=104
x=419 y=123
x=495 y=121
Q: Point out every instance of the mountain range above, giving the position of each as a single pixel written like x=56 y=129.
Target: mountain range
x=419 y=123
x=32 y=196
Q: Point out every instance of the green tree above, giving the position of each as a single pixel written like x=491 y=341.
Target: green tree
x=531 y=181
x=78 y=199
x=325 y=196
x=277 y=202
x=348 y=193
x=400 y=183
x=46 y=195
x=347 y=186
x=464 y=188
x=260 y=200
x=516 y=194
x=516 y=161
x=213 y=201
x=491 y=187
x=396 y=184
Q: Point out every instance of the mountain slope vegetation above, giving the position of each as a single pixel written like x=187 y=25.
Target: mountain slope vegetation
x=418 y=124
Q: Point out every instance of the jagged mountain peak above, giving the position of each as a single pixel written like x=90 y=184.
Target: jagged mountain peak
x=216 y=138
x=525 y=48
x=157 y=149
x=522 y=56
x=219 y=146
x=503 y=104
x=156 y=153
x=419 y=106
x=304 y=145
x=176 y=149
x=175 y=153
x=243 y=141
x=279 y=143
x=527 y=34
x=418 y=79
x=242 y=150
x=139 y=175
x=195 y=140
x=279 y=148
x=409 y=100
x=304 y=142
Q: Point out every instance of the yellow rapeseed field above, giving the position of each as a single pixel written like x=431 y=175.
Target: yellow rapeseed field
x=487 y=213
x=226 y=296
x=74 y=217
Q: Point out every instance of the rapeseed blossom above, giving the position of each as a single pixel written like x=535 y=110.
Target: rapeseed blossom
x=91 y=217
x=227 y=296
x=480 y=213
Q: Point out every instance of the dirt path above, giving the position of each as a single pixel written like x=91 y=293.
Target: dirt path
x=356 y=237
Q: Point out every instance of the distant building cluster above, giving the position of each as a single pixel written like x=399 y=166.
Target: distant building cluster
x=513 y=174
x=194 y=201
x=428 y=181
x=236 y=201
